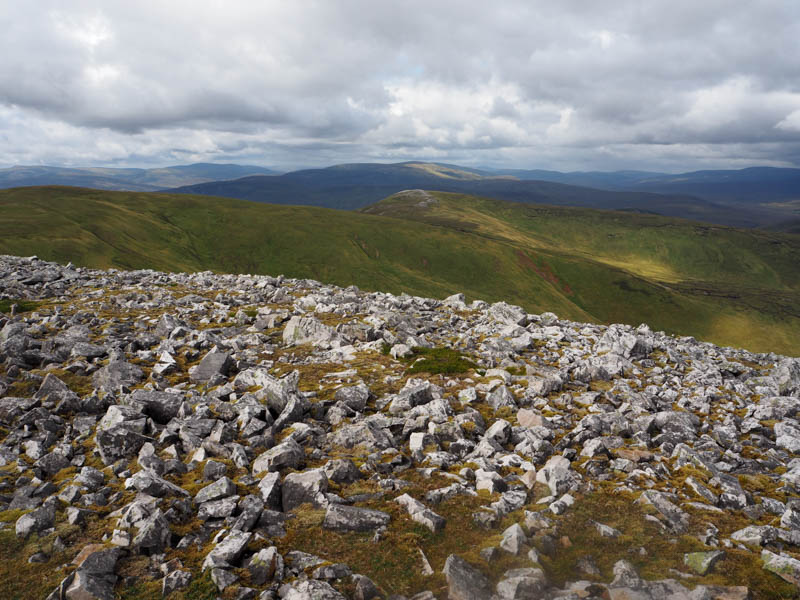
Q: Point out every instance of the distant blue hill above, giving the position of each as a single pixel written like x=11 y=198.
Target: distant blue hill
x=136 y=180
x=354 y=186
x=753 y=185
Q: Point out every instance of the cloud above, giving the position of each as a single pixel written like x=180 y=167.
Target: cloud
x=568 y=85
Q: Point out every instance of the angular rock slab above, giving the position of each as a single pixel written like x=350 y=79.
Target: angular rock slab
x=514 y=539
x=288 y=454
x=228 y=551
x=785 y=567
x=115 y=374
x=340 y=517
x=311 y=589
x=212 y=364
x=521 y=584
x=702 y=562
x=557 y=475
x=222 y=488
x=677 y=519
x=464 y=581
x=299 y=488
x=421 y=513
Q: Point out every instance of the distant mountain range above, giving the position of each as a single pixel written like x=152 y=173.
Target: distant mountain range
x=752 y=197
x=135 y=180
x=753 y=185
x=354 y=186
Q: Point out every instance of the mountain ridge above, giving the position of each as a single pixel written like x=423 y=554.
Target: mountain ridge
x=749 y=197
x=354 y=186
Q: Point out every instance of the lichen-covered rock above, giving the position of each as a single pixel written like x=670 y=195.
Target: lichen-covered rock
x=421 y=513
x=286 y=455
x=465 y=582
x=36 y=521
x=299 y=488
x=701 y=433
x=702 y=562
x=785 y=567
x=228 y=551
x=222 y=488
x=118 y=442
x=117 y=373
x=307 y=330
x=213 y=363
x=311 y=589
x=340 y=517
x=521 y=584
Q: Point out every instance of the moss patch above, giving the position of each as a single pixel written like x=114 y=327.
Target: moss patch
x=22 y=305
x=437 y=361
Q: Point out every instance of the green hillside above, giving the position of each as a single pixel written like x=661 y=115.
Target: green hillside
x=718 y=284
x=738 y=287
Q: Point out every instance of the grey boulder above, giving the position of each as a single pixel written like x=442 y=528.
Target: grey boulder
x=464 y=581
x=340 y=517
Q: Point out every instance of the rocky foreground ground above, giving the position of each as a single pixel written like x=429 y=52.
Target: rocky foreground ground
x=239 y=436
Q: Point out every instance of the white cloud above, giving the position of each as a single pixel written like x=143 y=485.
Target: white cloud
x=558 y=85
x=791 y=122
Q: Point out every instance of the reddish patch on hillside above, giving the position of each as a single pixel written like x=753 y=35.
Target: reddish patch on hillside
x=543 y=270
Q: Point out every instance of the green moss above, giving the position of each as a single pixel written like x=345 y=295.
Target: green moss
x=22 y=305
x=11 y=516
x=201 y=588
x=23 y=580
x=23 y=389
x=438 y=361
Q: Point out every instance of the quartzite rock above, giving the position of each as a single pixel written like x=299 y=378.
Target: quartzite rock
x=666 y=403
x=308 y=486
x=213 y=364
x=464 y=581
x=340 y=517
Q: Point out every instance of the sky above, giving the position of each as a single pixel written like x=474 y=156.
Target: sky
x=669 y=85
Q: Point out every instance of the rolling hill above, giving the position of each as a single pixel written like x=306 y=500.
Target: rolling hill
x=716 y=283
x=141 y=180
x=768 y=195
x=354 y=186
x=753 y=185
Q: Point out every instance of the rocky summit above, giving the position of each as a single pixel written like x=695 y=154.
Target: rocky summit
x=239 y=436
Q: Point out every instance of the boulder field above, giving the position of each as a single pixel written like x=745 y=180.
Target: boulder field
x=241 y=436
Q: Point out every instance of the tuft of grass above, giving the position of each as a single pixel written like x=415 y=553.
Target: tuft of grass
x=11 y=516
x=22 y=305
x=619 y=510
x=437 y=361
x=23 y=580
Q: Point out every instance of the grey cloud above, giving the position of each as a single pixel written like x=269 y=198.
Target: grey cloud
x=555 y=85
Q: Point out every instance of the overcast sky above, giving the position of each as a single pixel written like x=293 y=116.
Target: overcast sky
x=667 y=85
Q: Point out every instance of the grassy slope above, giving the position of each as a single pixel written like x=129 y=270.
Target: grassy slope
x=717 y=283
x=189 y=233
x=581 y=264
